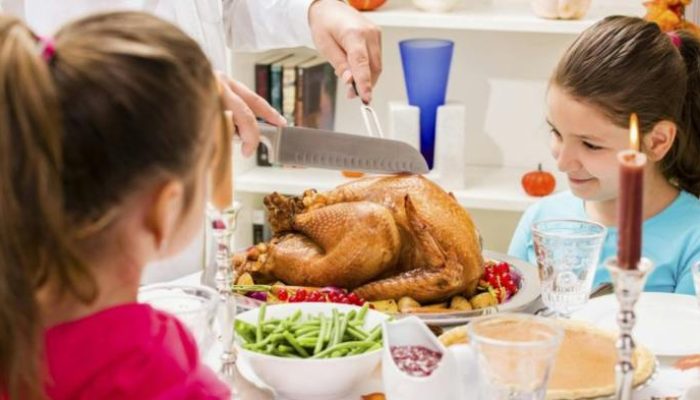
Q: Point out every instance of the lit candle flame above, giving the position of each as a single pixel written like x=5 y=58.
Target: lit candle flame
x=634 y=132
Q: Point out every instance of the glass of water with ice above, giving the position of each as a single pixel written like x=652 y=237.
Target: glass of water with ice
x=567 y=254
x=194 y=305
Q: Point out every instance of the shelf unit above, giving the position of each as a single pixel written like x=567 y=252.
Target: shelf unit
x=501 y=64
x=487 y=188
x=494 y=15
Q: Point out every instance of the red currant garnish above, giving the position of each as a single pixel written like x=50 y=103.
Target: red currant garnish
x=283 y=295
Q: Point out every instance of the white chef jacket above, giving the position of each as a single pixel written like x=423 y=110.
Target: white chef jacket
x=244 y=24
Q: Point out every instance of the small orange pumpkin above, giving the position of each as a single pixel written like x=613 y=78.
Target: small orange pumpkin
x=366 y=5
x=353 y=174
x=538 y=183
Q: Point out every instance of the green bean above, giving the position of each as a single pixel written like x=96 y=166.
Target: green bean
x=245 y=330
x=356 y=333
x=270 y=338
x=312 y=334
x=307 y=342
x=363 y=311
x=283 y=348
x=356 y=324
x=346 y=345
x=295 y=344
x=296 y=315
x=375 y=346
x=339 y=353
x=321 y=334
x=330 y=335
x=342 y=323
x=351 y=315
x=261 y=320
x=375 y=333
x=305 y=331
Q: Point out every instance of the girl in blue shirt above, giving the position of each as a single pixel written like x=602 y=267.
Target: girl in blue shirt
x=619 y=66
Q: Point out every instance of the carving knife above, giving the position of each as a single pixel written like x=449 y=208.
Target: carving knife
x=332 y=150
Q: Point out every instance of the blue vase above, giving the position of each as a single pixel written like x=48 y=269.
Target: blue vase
x=426 y=68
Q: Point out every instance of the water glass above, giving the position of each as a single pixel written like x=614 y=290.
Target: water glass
x=426 y=68
x=515 y=354
x=696 y=279
x=568 y=252
x=195 y=306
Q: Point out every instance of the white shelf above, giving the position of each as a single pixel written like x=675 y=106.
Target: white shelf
x=488 y=188
x=496 y=15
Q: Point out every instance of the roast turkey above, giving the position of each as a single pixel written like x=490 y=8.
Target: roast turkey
x=383 y=237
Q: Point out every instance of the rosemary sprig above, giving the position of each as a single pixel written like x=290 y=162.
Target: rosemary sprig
x=251 y=288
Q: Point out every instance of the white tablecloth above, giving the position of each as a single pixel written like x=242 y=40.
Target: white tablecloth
x=668 y=381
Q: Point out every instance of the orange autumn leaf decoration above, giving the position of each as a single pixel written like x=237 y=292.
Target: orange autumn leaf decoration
x=669 y=15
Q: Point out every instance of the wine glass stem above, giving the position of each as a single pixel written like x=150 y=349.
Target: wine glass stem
x=223 y=225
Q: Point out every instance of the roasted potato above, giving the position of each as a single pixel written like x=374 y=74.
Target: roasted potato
x=406 y=303
x=459 y=303
x=245 y=279
x=483 y=300
x=387 y=306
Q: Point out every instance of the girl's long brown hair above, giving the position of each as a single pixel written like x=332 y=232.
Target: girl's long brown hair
x=625 y=64
x=123 y=100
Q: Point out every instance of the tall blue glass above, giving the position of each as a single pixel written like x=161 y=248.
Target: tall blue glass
x=426 y=68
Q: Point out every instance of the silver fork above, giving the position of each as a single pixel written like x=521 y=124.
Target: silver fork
x=370 y=117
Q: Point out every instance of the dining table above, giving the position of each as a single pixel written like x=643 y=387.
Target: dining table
x=667 y=382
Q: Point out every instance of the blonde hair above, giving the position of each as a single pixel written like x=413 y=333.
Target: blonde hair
x=125 y=96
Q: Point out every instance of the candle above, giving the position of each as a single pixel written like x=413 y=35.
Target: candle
x=222 y=193
x=632 y=162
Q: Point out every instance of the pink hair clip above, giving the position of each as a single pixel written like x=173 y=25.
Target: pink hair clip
x=675 y=39
x=47 y=48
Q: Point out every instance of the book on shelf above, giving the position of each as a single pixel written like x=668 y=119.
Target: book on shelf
x=301 y=87
x=315 y=94
x=289 y=84
x=265 y=86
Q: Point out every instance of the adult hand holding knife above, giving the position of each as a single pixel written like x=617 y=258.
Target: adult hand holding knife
x=341 y=34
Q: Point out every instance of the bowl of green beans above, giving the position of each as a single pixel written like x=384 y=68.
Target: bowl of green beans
x=311 y=351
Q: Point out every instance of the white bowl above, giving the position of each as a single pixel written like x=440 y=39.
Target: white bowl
x=311 y=379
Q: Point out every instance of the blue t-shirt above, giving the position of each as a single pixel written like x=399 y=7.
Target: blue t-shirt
x=670 y=239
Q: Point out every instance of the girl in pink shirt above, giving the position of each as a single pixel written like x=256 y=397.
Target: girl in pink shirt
x=108 y=133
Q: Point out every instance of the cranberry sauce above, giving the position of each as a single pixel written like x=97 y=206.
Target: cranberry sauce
x=415 y=360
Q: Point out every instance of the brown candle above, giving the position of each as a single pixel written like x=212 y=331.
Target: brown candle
x=632 y=162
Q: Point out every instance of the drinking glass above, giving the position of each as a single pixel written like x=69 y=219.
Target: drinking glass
x=696 y=279
x=426 y=67
x=567 y=253
x=195 y=306
x=515 y=354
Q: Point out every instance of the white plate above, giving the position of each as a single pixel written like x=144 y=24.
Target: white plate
x=667 y=323
x=529 y=292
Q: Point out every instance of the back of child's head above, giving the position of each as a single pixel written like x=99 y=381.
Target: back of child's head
x=623 y=65
x=113 y=102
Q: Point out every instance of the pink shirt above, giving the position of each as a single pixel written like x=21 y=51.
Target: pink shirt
x=127 y=352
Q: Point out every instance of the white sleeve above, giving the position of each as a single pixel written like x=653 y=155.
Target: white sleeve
x=14 y=7
x=267 y=24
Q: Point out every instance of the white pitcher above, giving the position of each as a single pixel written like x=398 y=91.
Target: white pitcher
x=451 y=379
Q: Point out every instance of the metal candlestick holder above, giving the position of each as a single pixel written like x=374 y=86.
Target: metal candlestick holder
x=628 y=284
x=220 y=274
